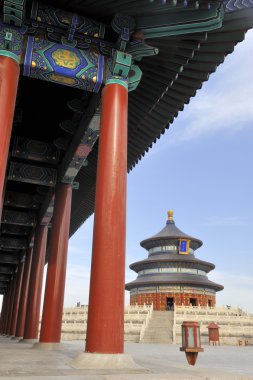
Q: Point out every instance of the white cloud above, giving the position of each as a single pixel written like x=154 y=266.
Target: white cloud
x=223 y=105
x=227 y=105
x=130 y=275
x=237 y=290
x=218 y=111
x=224 y=221
x=77 y=285
x=78 y=282
x=75 y=272
x=75 y=250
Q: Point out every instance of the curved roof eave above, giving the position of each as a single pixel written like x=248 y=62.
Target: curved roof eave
x=135 y=266
x=156 y=102
x=190 y=282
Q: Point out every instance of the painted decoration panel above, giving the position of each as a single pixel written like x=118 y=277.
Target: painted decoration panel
x=62 y=64
x=9 y=243
x=19 y=218
x=35 y=150
x=37 y=175
x=67 y=20
x=83 y=149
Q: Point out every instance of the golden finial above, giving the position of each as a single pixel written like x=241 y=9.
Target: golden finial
x=170 y=215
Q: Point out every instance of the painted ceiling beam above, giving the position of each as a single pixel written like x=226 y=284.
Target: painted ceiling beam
x=82 y=143
x=12 y=244
x=6 y=269
x=6 y=258
x=22 y=200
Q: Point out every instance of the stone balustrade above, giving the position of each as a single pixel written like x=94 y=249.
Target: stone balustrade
x=74 y=321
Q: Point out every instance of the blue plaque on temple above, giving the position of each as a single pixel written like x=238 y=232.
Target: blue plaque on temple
x=183 y=246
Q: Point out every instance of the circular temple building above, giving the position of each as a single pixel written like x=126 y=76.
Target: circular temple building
x=172 y=275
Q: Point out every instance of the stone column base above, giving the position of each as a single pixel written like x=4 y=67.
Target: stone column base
x=49 y=346
x=16 y=338
x=103 y=361
x=31 y=341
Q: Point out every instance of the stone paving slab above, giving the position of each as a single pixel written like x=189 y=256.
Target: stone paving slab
x=156 y=361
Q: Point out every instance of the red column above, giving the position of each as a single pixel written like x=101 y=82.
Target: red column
x=35 y=285
x=3 y=312
x=56 y=270
x=16 y=298
x=105 y=328
x=11 y=305
x=4 y=328
x=24 y=294
x=9 y=75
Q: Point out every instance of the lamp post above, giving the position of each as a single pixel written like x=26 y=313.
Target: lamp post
x=191 y=341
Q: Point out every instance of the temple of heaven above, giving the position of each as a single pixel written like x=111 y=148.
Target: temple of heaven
x=172 y=275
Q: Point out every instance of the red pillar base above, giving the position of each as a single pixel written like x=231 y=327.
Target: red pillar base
x=50 y=346
x=17 y=339
x=87 y=360
x=28 y=341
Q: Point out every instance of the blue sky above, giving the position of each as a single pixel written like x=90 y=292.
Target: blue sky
x=202 y=169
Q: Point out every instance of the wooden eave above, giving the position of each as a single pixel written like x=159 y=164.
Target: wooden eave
x=155 y=103
x=169 y=81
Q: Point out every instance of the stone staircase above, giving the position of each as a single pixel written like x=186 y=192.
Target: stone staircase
x=159 y=328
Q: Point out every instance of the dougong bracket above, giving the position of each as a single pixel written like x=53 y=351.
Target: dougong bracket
x=11 y=41
x=119 y=69
x=14 y=12
x=123 y=25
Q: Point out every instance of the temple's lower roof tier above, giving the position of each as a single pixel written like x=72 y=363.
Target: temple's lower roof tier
x=173 y=279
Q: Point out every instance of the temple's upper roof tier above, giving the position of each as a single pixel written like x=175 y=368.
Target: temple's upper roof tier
x=169 y=233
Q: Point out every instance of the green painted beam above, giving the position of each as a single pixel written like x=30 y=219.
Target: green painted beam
x=176 y=23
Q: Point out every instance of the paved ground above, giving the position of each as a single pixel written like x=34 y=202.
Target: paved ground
x=157 y=362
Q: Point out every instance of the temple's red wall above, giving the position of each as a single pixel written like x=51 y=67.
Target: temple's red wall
x=159 y=300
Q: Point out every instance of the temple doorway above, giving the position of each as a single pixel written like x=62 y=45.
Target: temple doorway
x=170 y=303
x=210 y=303
x=193 y=301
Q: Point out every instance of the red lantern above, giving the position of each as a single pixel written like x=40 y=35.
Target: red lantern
x=213 y=333
x=191 y=344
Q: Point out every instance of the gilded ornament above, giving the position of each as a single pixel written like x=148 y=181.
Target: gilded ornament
x=62 y=79
x=66 y=58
